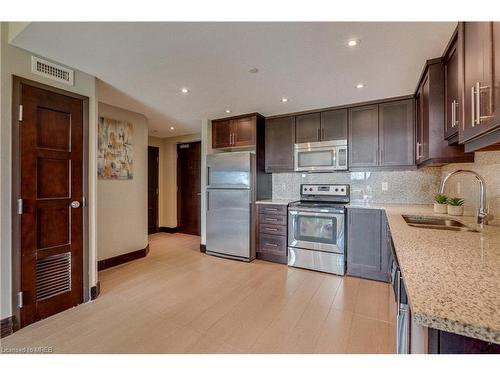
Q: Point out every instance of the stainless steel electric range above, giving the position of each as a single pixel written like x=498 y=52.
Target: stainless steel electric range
x=316 y=228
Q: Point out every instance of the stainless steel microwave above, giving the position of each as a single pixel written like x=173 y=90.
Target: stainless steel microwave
x=321 y=156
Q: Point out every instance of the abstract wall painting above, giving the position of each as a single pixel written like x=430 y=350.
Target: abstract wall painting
x=115 y=159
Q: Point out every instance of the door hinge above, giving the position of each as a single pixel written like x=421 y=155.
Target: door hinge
x=19 y=206
x=20 y=112
x=20 y=300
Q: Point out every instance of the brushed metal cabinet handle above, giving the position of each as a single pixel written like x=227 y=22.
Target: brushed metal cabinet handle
x=453 y=114
x=472 y=106
x=270 y=244
x=478 y=104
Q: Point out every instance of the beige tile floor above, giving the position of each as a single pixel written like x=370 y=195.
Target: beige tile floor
x=177 y=300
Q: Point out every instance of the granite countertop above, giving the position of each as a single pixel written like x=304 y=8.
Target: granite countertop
x=275 y=201
x=452 y=278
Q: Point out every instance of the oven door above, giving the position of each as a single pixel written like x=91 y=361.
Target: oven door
x=323 y=231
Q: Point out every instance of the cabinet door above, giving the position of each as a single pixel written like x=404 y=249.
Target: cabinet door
x=280 y=140
x=452 y=104
x=334 y=125
x=423 y=146
x=496 y=74
x=307 y=128
x=244 y=131
x=396 y=132
x=477 y=69
x=419 y=125
x=363 y=136
x=221 y=134
x=364 y=244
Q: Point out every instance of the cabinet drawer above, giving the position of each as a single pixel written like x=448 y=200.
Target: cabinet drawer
x=272 y=219
x=272 y=209
x=272 y=244
x=273 y=229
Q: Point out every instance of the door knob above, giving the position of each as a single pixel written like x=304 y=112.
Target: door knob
x=75 y=204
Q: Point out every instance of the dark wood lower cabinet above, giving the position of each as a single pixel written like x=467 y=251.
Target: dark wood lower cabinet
x=441 y=342
x=272 y=233
x=367 y=251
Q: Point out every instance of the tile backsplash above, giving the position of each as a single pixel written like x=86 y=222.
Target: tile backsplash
x=487 y=164
x=418 y=186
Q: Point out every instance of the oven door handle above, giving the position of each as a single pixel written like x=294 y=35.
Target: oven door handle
x=312 y=212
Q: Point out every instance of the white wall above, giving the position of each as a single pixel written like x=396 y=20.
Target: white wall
x=15 y=61
x=123 y=204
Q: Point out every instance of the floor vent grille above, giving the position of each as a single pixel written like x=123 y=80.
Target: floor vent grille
x=52 y=71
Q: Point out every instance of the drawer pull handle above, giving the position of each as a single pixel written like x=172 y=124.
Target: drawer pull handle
x=269 y=219
x=271 y=244
x=272 y=229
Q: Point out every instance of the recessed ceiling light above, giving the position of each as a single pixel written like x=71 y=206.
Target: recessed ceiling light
x=171 y=128
x=284 y=100
x=228 y=111
x=184 y=90
x=352 y=42
x=253 y=70
x=360 y=85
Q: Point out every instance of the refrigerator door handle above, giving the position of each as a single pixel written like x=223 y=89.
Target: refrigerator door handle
x=208 y=175
x=208 y=201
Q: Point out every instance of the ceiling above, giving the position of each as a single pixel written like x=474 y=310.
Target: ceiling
x=143 y=66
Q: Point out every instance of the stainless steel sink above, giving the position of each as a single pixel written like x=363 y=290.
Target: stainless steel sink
x=431 y=222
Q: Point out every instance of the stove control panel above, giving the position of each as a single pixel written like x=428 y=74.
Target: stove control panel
x=332 y=190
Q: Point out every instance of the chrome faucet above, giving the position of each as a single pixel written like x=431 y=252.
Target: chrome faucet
x=482 y=215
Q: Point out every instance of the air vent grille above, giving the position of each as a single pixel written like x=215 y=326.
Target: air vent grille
x=50 y=70
x=53 y=276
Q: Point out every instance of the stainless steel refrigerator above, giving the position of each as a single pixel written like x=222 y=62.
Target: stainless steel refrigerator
x=231 y=194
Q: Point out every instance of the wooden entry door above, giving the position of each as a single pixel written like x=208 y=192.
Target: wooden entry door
x=51 y=160
x=189 y=187
x=153 y=160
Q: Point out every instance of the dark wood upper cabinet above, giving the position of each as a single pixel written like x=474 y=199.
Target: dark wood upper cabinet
x=496 y=73
x=334 y=125
x=363 y=136
x=308 y=128
x=233 y=132
x=280 y=140
x=244 y=130
x=221 y=134
x=479 y=76
x=321 y=126
x=396 y=133
x=452 y=104
x=431 y=146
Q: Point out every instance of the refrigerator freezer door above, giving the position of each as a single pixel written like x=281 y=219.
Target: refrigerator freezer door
x=229 y=170
x=228 y=222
